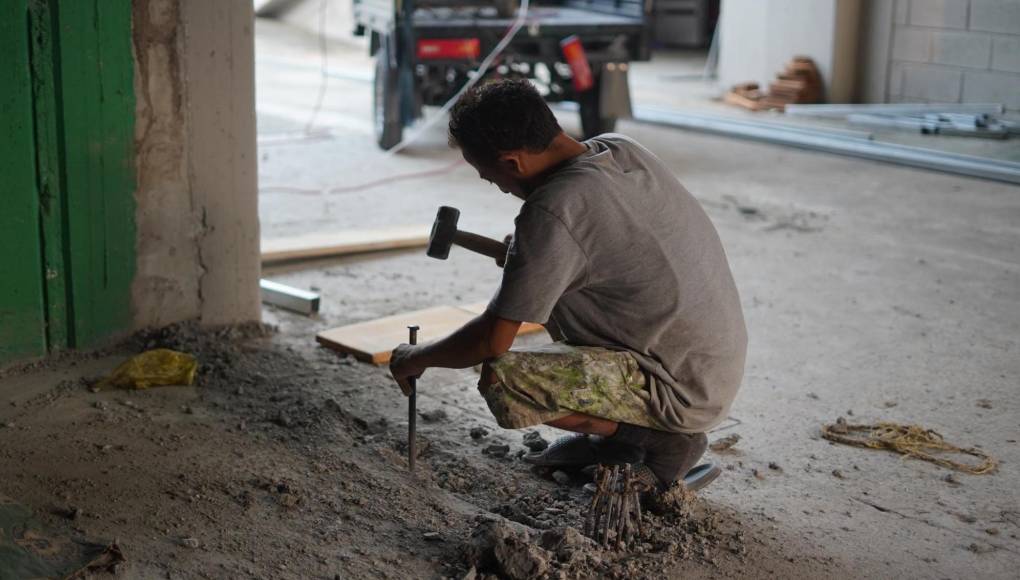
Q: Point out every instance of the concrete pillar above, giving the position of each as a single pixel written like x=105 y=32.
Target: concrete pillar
x=197 y=216
x=219 y=60
x=758 y=37
x=166 y=284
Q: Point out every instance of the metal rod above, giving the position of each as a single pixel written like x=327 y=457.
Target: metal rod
x=637 y=512
x=930 y=125
x=624 y=521
x=993 y=169
x=412 y=411
x=614 y=476
x=892 y=109
x=589 y=520
x=289 y=297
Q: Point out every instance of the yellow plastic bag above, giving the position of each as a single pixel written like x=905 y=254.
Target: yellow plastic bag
x=153 y=368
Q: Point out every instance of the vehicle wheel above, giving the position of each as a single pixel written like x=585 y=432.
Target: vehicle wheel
x=386 y=100
x=590 y=103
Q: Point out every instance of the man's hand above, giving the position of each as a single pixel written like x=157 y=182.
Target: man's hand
x=507 y=240
x=485 y=337
x=404 y=365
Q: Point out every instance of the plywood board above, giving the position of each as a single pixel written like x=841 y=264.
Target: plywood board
x=372 y=341
x=341 y=243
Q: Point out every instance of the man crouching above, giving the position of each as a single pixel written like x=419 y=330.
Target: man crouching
x=627 y=273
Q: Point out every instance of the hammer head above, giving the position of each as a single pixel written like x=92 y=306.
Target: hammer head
x=443 y=231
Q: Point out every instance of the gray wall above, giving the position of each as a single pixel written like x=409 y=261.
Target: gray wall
x=953 y=51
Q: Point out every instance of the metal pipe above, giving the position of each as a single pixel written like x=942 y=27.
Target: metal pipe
x=289 y=297
x=892 y=109
x=832 y=142
x=930 y=125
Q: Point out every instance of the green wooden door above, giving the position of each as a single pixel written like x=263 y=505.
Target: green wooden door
x=67 y=139
x=22 y=303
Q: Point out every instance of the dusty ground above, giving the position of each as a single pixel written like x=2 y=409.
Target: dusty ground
x=289 y=462
x=872 y=292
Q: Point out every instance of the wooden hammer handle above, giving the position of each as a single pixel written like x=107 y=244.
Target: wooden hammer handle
x=481 y=244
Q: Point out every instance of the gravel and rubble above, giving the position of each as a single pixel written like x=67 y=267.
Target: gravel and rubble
x=280 y=463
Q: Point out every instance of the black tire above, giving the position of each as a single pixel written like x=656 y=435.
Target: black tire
x=589 y=102
x=386 y=100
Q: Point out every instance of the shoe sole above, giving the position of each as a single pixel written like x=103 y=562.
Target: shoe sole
x=701 y=475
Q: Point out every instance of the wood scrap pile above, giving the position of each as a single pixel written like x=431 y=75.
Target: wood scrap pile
x=799 y=83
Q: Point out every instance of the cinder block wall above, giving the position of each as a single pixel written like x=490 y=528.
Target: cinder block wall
x=955 y=51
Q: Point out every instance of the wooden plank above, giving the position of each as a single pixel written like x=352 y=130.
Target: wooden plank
x=743 y=101
x=373 y=341
x=22 y=312
x=342 y=243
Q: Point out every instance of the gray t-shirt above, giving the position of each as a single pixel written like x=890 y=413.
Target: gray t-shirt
x=612 y=251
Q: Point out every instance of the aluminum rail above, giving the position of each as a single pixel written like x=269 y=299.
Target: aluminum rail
x=835 y=142
x=932 y=125
x=288 y=297
x=892 y=109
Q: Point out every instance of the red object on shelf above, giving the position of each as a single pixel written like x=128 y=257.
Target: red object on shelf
x=449 y=49
x=573 y=51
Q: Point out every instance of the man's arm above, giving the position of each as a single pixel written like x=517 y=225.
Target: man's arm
x=485 y=337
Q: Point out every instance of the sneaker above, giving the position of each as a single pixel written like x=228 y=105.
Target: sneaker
x=567 y=451
x=583 y=450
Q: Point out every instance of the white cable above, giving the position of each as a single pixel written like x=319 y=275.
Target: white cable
x=522 y=14
x=486 y=63
x=323 y=69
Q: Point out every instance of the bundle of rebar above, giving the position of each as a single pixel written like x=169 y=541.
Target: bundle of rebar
x=615 y=513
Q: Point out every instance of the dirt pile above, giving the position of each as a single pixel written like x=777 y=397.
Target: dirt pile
x=678 y=528
x=501 y=548
x=290 y=462
x=219 y=350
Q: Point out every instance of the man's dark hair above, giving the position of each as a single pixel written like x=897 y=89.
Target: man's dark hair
x=499 y=116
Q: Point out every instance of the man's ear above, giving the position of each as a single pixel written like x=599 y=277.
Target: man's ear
x=513 y=163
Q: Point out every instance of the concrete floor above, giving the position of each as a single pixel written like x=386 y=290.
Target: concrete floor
x=872 y=291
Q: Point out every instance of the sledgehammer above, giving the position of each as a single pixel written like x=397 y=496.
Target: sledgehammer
x=445 y=234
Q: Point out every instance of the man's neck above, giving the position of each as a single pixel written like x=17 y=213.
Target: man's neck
x=562 y=149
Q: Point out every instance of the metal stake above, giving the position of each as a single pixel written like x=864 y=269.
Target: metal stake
x=412 y=411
